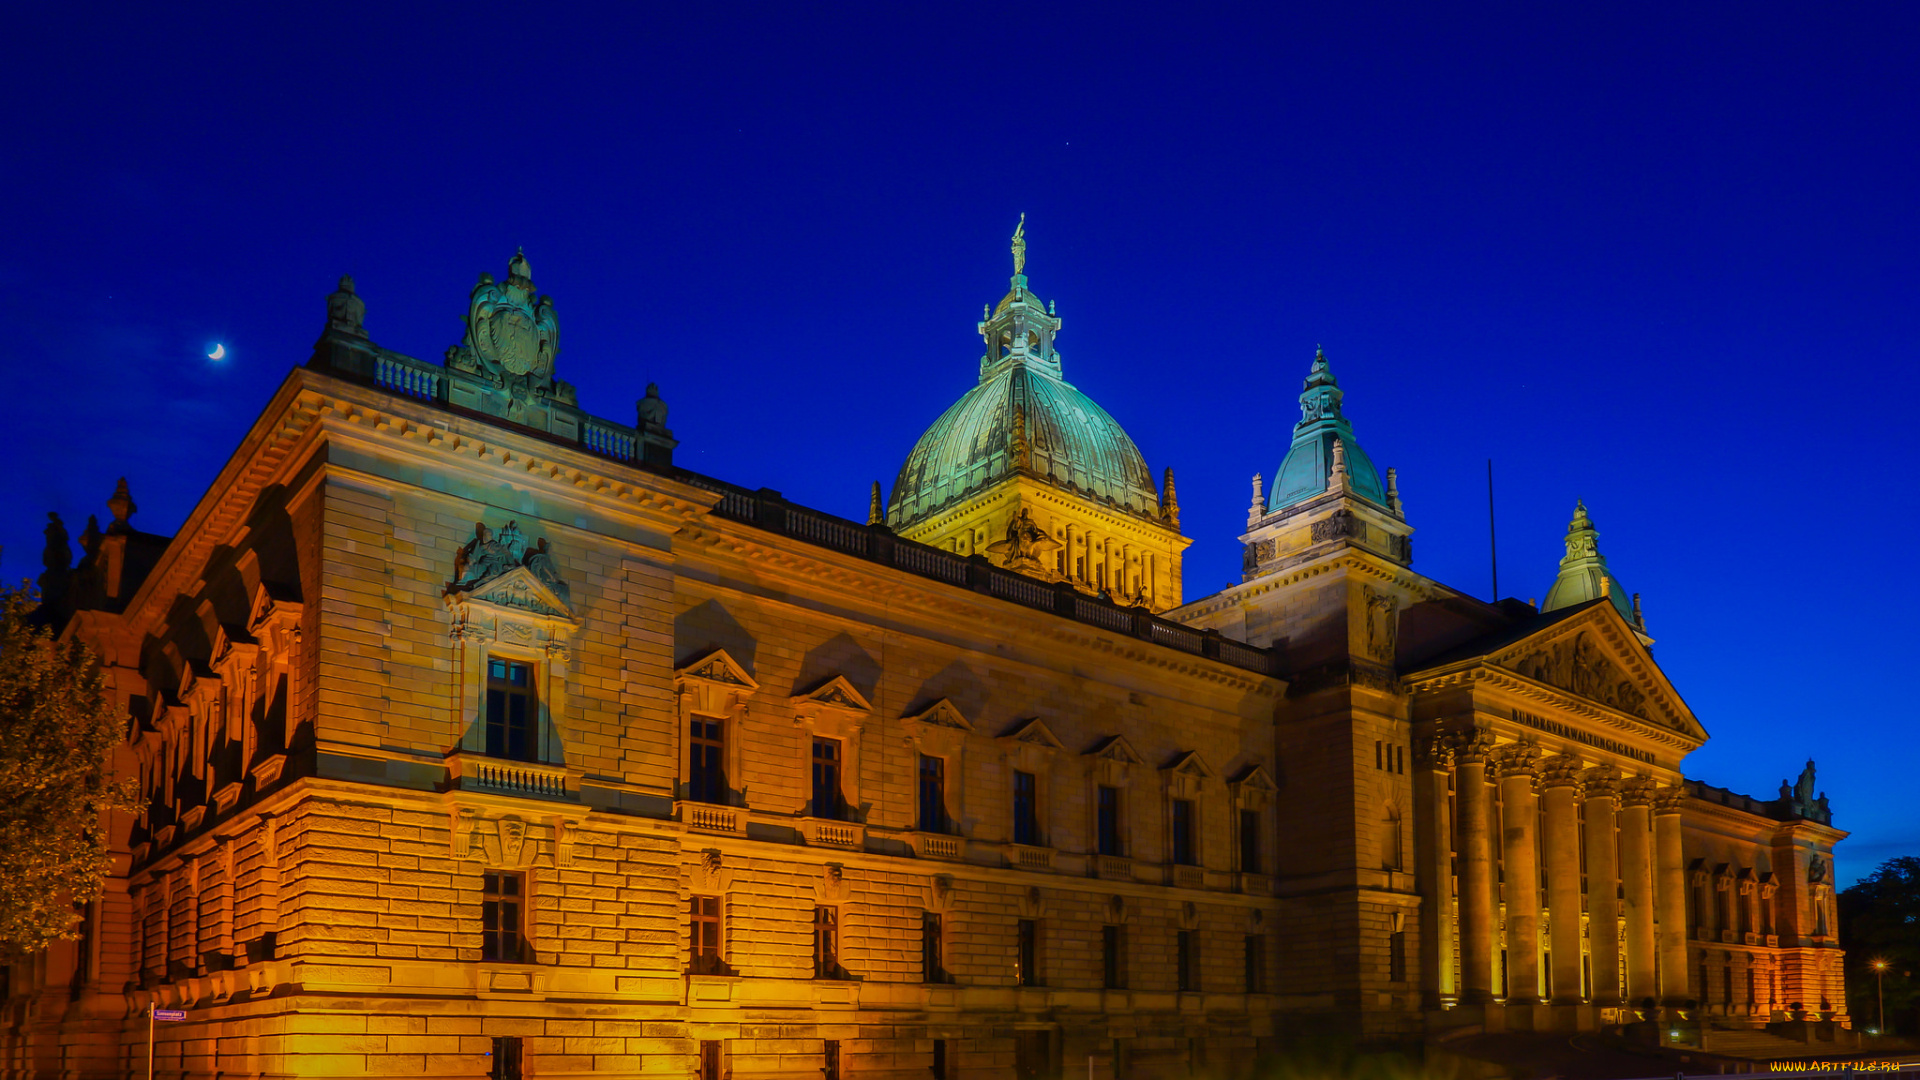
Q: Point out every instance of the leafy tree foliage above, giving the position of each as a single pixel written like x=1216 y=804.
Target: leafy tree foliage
x=57 y=734
x=1880 y=920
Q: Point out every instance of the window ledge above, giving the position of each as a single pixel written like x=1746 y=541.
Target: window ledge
x=1029 y=857
x=830 y=833
x=937 y=846
x=500 y=776
x=711 y=817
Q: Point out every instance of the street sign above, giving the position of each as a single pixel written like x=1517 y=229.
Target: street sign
x=169 y=1014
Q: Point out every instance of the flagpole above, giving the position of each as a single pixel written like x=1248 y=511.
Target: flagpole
x=149 y=1040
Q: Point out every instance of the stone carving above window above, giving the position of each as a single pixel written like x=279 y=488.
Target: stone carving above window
x=1339 y=525
x=491 y=557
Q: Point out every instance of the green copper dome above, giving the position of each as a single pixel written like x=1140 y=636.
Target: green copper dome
x=1303 y=473
x=1583 y=571
x=1022 y=416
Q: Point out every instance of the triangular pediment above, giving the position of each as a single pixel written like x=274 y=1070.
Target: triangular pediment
x=1594 y=655
x=1034 y=732
x=719 y=668
x=1190 y=764
x=1116 y=748
x=1255 y=778
x=835 y=693
x=941 y=713
x=519 y=589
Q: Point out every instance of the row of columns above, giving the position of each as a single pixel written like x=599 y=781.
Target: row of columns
x=1541 y=801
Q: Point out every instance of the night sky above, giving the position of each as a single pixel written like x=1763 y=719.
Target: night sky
x=1661 y=260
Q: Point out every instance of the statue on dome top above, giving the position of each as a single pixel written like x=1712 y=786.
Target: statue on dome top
x=1020 y=246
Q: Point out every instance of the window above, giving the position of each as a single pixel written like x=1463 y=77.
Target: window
x=709 y=1060
x=933 y=794
x=703 y=935
x=827 y=801
x=1183 y=960
x=826 y=944
x=940 y=1059
x=1027 y=954
x=933 y=966
x=706 y=760
x=830 y=1059
x=506 y=1058
x=1113 y=957
x=1256 y=963
x=1109 y=824
x=1026 y=808
x=1250 y=841
x=1183 y=832
x=510 y=710
x=502 y=894
x=1397 y=957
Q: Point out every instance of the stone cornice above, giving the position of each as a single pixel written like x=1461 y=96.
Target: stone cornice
x=1478 y=672
x=1363 y=563
x=311 y=406
x=858 y=577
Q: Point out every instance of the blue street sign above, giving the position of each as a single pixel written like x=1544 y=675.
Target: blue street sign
x=169 y=1014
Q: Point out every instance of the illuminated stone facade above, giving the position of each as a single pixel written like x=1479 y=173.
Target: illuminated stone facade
x=473 y=748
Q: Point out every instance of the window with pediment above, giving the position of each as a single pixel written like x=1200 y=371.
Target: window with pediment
x=938 y=735
x=1189 y=783
x=832 y=718
x=1029 y=750
x=711 y=695
x=1111 y=770
x=512 y=629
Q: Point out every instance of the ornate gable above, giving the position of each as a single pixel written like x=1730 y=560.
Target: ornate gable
x=1596 y=657
x=1030 y=746
x=714 y=685
x=940 y=714
x=835 y=693
x=1253 y=788
x=1113 y=761
x=1034 y=732
x=1188 y=775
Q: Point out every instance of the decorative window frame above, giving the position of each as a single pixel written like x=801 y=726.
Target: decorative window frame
x=716 y=687
x=1113 y=763
x=515 y=616
x=833 y=710
x=940 y=730
x=1187 y=777
x=1030 y=748
x=1254 y=790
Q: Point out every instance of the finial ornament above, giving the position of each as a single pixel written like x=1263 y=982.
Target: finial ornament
x=1169 y=501
x=1257 y=509
x=1020 y=246
x=1337 y=478
x=122 y=506
x=876 y=513
x=1393 y=491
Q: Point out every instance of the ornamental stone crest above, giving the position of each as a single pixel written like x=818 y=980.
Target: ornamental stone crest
x=490 y=556
x=509 y=328
x=1578 y=664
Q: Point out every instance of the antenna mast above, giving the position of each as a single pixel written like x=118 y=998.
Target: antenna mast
x=1493 y=542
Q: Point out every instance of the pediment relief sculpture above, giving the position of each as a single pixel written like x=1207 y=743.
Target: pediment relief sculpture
x=1188 y=775
x=1113 y=761
x=715 y=684
x=939 y=727
x=1578 y=665
x=490 y=556
x=837 y=694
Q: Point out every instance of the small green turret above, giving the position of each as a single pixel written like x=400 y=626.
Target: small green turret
x=1583 y=572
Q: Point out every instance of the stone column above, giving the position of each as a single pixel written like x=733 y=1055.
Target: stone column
x=1476 y=867
x=1670 y=892
x=1559 y=795
x=1518 y=767
x=1636 y=875
x=1603 y=885
x=1433 y=873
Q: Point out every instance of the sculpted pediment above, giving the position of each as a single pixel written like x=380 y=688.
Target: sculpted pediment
x=519 y=590
x=718 y=668
x=940 y=714
x=1595 y=655
x=1034 y=732
x=835 y=693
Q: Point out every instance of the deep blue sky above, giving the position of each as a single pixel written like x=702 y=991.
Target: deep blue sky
x=1660 y=257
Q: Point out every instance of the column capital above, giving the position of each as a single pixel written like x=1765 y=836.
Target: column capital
x=1601 y=782
x=1435 y=752
x=1516 y=759
x=1636 y=791
x=1470 y=746
x=1668 y=799
x=1561 y=770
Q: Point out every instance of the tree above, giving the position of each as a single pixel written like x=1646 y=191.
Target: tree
x=58 y=730
x=1880 y=920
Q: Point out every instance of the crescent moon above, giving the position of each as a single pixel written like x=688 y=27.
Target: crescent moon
x=219 y=353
